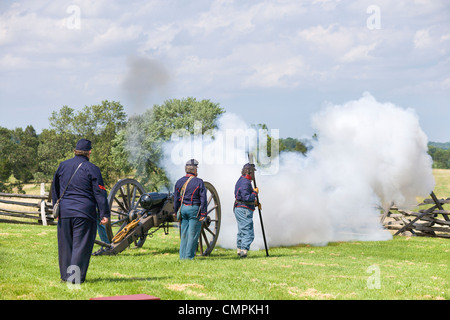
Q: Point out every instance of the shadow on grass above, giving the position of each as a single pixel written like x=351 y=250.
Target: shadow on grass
x=140 y=251
x=125 y=279
x=251 y=256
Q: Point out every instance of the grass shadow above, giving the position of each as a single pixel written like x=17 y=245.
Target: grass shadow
x=125 y=279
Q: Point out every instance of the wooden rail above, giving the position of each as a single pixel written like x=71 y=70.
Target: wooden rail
x=42 y=207
x=433 y=221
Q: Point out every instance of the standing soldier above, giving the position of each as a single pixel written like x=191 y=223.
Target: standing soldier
x=190 y=201
x=244 y=206
x=80 y=184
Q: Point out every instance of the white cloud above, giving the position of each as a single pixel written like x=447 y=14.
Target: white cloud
x=280 y=73
x=327 y=4
x=422 y=39
x=11 y=62
x=446 y=83
x=332 y=39
x=358 y=53
x=116 y=35
x=222 y=15
x=159 y=38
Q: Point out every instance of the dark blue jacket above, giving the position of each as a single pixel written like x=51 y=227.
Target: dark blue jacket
x=195 y=193
x=85 y=193
x=244 y=193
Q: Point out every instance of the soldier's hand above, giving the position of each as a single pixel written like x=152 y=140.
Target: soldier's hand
x=104 y=220
x=256 y=190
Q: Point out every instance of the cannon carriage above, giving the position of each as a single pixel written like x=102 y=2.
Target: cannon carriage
x=136 y=215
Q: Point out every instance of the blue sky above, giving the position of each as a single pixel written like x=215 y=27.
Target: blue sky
x=272 y=62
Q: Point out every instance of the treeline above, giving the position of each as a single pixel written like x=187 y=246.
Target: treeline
x=440 y=145
x=122 y=146
x=27 y=157
x=440 y=156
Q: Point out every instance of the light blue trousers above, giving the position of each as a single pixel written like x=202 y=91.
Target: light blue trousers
x=101 y=229
x=246 y=233
x=190 y=230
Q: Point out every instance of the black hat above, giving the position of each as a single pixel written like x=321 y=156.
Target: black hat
x=192 y=162
x=83 y=145
x=250 y=167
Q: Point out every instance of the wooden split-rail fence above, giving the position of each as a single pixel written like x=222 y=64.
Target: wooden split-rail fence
x=430 y=220
x=29 y=208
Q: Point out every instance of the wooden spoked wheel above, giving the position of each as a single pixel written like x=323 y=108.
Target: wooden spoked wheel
x=209 y=232
x=124 y=203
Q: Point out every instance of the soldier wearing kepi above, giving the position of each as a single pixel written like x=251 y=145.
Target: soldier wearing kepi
x=190 y=199
x=244 y=206
x=77 y=223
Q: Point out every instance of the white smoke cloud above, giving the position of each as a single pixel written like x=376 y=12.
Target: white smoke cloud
x=368 y=155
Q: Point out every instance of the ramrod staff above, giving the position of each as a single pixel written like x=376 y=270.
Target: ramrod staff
x=250 y=160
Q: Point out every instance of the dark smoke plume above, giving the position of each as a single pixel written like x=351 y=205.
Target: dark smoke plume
x=145 y=79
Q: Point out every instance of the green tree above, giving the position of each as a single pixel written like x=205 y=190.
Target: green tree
x=24 y=158
x=5 y=170
x=62 y=121
x=6 y=153
x=140 y=144
x=18 y=150
x=292 y=144
x=53 y=148
x=6 y=149
x=441 y=157
x=98 y=123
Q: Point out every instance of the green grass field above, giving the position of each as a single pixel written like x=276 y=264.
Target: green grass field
x=405 y=268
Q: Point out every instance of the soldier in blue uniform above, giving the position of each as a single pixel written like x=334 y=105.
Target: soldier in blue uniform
x=244 y=206
x=77 y=223
x=190 y=198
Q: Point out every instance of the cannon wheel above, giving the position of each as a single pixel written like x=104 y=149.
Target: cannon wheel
x=211 y=225
x=122 y=199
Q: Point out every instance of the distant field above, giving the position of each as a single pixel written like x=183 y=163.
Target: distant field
x=442 y=177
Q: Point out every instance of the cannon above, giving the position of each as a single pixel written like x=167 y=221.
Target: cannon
x=134 y=213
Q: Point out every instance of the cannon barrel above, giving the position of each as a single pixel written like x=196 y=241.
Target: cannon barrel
x=151 y=200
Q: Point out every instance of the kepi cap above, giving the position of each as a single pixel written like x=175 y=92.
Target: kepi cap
x=192 y=162
x=249 y=166
x=84 y=145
